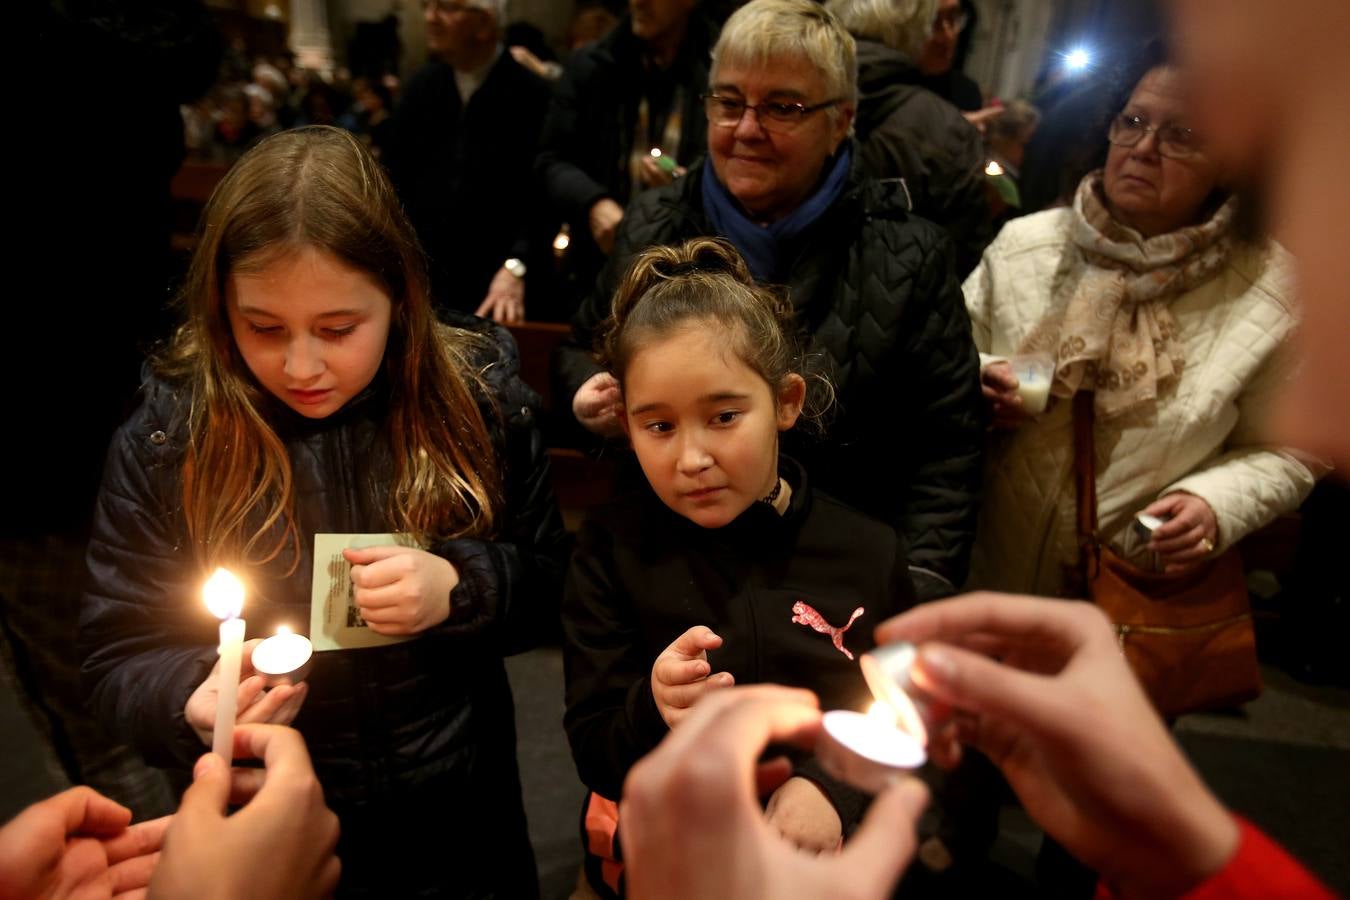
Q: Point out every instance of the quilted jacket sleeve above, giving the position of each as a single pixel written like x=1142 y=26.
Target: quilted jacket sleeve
x=146 y=640
x=1253 y=482
x=940 y=381
x=611 y=717
x=510 y=585
x=570 y=188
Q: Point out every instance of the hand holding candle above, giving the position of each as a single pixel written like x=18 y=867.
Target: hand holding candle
x=222 y=700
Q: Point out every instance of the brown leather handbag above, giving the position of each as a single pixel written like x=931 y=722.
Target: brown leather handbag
x=1188 y=637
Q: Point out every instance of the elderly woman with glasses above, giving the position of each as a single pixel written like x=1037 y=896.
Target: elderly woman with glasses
x=1142 y=293
x=871 y=283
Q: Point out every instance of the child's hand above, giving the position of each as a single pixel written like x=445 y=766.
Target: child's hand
x=401 y=590
x=278 y=706
x=805 y=817
x=680 y=674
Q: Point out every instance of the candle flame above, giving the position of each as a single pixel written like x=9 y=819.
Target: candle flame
x=224 y=594
x=656 y=153
x=993 y=169
x=561 y=241
x=283 y=629
x=882 y=712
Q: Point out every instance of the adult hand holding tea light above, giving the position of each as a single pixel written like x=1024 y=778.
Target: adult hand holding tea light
x=224 y=596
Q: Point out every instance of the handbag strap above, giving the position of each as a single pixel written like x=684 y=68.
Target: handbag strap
x=1085 y=479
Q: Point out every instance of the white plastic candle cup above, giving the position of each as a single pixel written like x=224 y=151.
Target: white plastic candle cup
x=1034 y=373
x=283 y=658
x=867 y=751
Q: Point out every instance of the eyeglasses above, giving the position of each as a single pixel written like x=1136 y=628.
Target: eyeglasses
x=1174 y=141
x=449 y=7
x=956 y=19
x=727 y=112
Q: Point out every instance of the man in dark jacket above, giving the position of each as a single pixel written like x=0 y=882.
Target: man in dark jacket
x=906 y=131
x=461 y=152
x=874 y=286
x=636 y=90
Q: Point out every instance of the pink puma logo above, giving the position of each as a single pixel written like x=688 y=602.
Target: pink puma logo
x=803 y=614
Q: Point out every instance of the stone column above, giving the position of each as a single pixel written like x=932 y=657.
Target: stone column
x=309 y=38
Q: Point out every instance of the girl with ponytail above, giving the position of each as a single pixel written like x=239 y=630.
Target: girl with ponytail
x=726 y=567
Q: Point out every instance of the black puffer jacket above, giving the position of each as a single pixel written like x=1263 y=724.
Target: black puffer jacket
x=424 y=726
x=906 y=131
x=873 y=286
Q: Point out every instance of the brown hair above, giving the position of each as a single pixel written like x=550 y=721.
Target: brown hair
x=706 y=280
x=319 y=188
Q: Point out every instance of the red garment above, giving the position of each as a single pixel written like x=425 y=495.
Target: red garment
x=1260 y=870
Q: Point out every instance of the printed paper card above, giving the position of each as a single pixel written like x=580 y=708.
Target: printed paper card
x=335 y=621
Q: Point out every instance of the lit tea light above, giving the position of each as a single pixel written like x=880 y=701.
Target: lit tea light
x=224 y=597
x=868 y=750
x=562 y=240
x=283 y=658
x=993 y=170
x=665 y=163
x=871 y=750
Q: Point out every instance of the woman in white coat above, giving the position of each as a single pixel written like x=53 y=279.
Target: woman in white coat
x=1141 y=292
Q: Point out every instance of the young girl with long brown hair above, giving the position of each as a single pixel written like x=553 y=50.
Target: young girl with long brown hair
x=312 y=390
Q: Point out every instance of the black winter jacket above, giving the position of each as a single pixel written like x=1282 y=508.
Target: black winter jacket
x=906 y=131
x=873 y=287
x=465 y=175
x=588 y=134
x=643 y=575
x=422 y=727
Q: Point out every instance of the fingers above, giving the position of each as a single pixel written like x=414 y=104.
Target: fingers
x=973 y=683
x=1187 y=539
x=1000 y=377
x=281 y=749
x=683 y=696
x=1056 y=625
x=680 y=671
x=139 y=840
x=734 y=726
x=86 y=811
x=771 y=775
x=694 y=642
x=131 y=877
x=278 y=706
x=210 y=789
x=1165 y=506
x=885 y=843
x=364 y=556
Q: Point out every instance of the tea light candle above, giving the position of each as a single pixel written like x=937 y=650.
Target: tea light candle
x=867 y=751
x=283 y=658
x=224 y=597
x=665 y=163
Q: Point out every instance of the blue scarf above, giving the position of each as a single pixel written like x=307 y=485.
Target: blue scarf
x=763 y=245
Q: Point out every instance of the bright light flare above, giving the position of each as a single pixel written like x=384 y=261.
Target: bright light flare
x=1077 y=59
x=224 y=594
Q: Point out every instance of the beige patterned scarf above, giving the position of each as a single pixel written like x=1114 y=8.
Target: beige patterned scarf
x=1116 y=334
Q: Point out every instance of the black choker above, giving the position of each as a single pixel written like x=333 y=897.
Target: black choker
x=773 y=494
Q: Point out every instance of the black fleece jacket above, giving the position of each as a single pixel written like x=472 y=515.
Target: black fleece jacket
x=643 y=575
